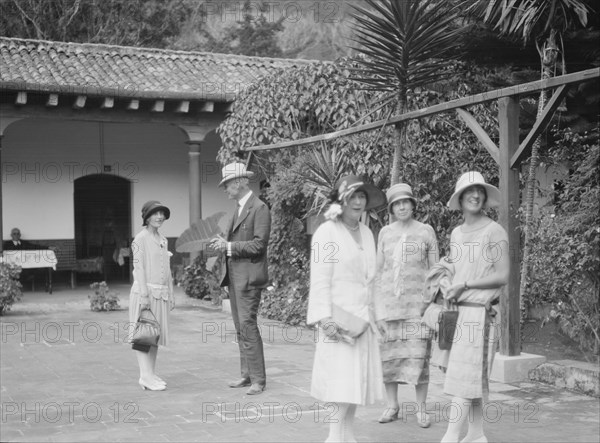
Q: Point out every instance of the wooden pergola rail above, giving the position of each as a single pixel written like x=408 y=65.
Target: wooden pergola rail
x=509 y=155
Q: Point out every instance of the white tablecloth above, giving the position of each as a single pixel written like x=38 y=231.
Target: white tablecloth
x=35 y=258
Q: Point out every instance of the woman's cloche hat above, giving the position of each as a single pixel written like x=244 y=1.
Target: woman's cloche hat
x=233 y=171
x=472 y=178
x=349 y=184
x=152 y=206
x=399 y=191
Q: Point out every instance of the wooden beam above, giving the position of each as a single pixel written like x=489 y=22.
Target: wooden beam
x=133 y=105
x=117 y=114
x=107 y=103
x=510 y=327
x=183 y=106
x=522 y=89
x=207 y=107
x=480 y=133
x=80 y=102
x=539 y=125
x=52 y=100
x=21 y=98
x=158 y=106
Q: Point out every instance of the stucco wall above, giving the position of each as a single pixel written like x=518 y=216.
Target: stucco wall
x=42 y=158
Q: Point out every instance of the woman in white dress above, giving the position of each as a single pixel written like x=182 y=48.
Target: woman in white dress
x=480 y=255
x=347 y=370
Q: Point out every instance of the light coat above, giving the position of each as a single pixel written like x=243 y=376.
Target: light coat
x=343 y=273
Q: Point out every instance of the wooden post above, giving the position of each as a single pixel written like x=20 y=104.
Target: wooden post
x=508 y=119
x=1 y=178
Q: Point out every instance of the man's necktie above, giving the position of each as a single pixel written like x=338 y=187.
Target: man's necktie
x=235 y=215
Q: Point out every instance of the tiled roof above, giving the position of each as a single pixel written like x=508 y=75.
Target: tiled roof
x=119 y=71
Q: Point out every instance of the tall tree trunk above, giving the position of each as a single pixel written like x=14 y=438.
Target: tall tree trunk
x=548 y=56
x=400 y=140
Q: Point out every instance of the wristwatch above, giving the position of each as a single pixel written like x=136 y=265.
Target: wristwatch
x=466 y=286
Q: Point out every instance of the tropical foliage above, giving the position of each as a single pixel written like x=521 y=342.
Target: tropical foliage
x=408 y=44
x=565 y=245
x=151 y=23
x=546 y=22
x=198 y=281
x=10 y=287
x=319 y=98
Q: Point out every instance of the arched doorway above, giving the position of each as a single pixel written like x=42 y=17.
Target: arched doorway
x=102 y=204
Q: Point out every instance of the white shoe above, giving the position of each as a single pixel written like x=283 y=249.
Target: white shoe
x=152 y=386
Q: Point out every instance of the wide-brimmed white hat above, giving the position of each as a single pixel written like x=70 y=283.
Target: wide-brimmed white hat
x=474 y=178
x=235 y=170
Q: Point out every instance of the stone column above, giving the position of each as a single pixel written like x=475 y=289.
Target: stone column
x=195 y=186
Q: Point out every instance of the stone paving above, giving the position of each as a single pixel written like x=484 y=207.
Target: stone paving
x=66 y=375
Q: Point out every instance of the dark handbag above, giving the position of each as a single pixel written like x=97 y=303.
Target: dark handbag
x=147 y=330
x=447 y=325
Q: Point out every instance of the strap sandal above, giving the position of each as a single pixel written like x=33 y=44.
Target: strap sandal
x=389 y=415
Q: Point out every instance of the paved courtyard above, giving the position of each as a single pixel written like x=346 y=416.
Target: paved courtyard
x=66 y=375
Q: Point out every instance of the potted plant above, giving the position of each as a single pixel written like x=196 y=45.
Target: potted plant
x=103 y=299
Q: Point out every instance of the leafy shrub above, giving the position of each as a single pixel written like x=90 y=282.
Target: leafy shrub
x=198 y=281
x=103 y=299
x=566 y=243
x=287 y=304
x=10 y=286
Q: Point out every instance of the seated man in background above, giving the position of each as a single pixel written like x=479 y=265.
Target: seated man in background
x=15 y=243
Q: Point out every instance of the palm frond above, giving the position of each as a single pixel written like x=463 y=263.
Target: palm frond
x=323 y=167
x=406 y=42
x=534 y=18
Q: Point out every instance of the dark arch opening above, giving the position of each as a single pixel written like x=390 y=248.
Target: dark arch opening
x=102 y=204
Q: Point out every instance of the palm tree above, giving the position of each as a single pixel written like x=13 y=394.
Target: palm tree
x=544 y=21
x=407 y=44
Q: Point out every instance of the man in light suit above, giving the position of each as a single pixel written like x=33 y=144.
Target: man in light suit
x=245 y=273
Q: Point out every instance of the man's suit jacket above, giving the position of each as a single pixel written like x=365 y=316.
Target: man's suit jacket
x=249 y=237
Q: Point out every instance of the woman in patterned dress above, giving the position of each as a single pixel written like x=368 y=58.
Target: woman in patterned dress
x=480 y=255
x=406 y=250
x=346 y=370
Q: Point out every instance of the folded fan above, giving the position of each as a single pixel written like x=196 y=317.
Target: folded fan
x=198 y=236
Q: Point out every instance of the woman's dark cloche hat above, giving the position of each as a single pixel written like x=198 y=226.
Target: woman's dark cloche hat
x=152 y=206
x=349 y=184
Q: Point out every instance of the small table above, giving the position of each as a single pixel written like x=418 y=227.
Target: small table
x=33 y=258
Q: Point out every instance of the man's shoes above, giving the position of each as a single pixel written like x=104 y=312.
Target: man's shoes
x=255 y=389
x=241 y=383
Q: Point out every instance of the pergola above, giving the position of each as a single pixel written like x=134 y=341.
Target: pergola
x=509 y=155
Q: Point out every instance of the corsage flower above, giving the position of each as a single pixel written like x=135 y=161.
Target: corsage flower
x=333 y=212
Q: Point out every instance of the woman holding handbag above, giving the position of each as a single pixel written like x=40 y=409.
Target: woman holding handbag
x=152 y=289
x=480 y=254
x=406 y=251
x=347 y=368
